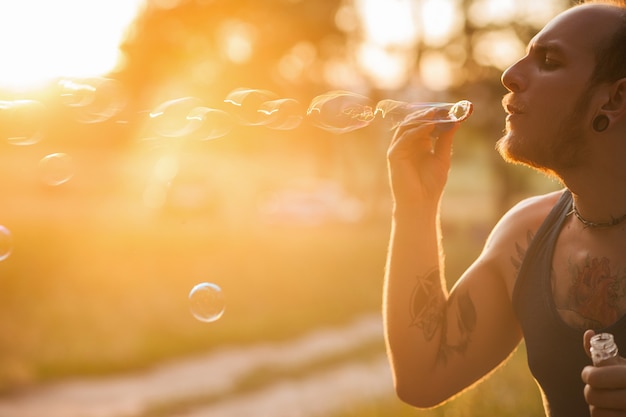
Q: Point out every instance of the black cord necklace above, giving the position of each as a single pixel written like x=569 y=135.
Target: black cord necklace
x=593 y=225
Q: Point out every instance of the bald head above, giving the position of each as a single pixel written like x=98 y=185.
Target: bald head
x=607 y=18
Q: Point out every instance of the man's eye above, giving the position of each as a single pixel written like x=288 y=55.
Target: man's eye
x=549 y=63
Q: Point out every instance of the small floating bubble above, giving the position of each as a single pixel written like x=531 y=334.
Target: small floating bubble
x=94 y=100
x=22 y=122
x=6 y=243
x=56 y=169
x=206 y=302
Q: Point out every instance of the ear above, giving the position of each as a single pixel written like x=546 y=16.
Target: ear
x=615 y=106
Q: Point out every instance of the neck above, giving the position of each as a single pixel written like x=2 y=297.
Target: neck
x=597 y=211
x=596 y=225
x=598 y=201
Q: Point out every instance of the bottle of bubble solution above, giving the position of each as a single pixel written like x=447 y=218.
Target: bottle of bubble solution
x=603 y=349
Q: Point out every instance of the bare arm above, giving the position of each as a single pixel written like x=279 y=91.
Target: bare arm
x=439 y=343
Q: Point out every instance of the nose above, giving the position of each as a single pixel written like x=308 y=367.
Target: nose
x=512 y=78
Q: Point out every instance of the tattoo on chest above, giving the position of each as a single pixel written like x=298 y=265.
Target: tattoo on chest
x=520 y=252
x=428 y=313
x=596 y=295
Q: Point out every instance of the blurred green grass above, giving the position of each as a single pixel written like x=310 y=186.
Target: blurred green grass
x=118 y=300
x=95 y=301
x=98 y=284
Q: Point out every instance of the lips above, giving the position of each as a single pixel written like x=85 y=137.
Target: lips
x=512 y=106
x=512 y=110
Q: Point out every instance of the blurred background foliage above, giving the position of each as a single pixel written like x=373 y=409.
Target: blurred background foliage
x=291 y=223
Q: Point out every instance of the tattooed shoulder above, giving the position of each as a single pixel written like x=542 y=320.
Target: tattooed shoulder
x=520 y=251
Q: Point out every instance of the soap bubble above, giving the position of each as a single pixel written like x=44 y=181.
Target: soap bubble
x=56 y=169
x=22 y=122
x=341 y=111
x=282 y=114
x=253 y=107
x=245 y=105
x=93 y=100
x=401 y=113
x=211 y=123
x=176 y=118
x=206 y=302
x=6 y=243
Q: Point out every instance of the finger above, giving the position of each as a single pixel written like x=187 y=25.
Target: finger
x=443 y=145
x=605 y=377
x=417 y=138
x=603 y=412
x=422 y=127
x=587 y=341
x=606 y=399
x=422 y=116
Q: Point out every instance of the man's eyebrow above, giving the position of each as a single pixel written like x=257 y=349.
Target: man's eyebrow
x=544 y=47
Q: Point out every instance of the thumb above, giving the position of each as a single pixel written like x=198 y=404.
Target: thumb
x=587 y=341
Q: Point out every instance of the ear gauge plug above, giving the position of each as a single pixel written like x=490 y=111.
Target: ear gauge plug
x=603 y=348
x=600 y=123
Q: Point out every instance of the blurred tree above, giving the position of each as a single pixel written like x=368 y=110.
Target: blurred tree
x=461 y=50
x=208 y=48
x=300 y=48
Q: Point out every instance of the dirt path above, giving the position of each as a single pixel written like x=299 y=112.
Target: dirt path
x=320 y=394
x=217 y=373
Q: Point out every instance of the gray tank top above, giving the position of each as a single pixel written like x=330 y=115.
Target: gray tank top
x=555 y=350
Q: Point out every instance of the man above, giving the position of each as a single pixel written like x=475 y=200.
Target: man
x=553 y=270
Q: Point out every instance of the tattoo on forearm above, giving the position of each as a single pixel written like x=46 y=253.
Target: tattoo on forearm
x=428 y=313
x=427 y=304
x=466 y=323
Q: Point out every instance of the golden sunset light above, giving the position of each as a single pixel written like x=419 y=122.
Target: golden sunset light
x=185 y=183
x=438 y=19
x=393 y=31
x=43 y=39
x=389 y=23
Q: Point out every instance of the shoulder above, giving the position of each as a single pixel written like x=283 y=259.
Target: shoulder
x=530 y=212
x=510 y=238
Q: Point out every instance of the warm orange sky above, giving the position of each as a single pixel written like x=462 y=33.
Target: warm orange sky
x=47 y=39
x=44 y=39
